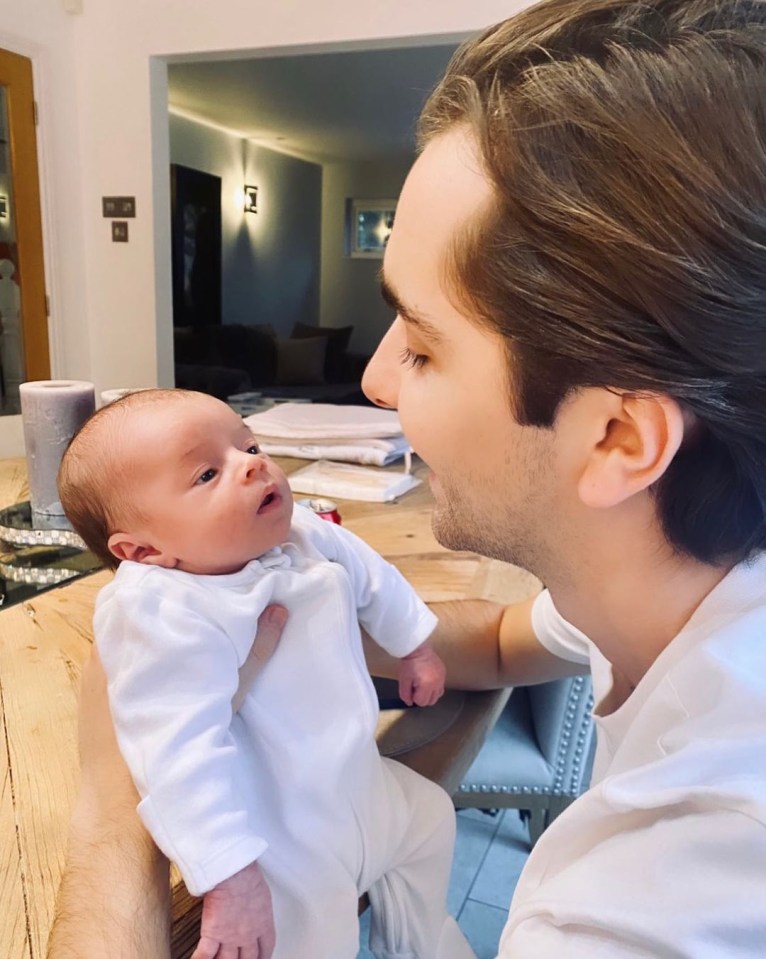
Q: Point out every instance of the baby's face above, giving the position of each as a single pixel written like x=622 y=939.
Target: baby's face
x=207 y=499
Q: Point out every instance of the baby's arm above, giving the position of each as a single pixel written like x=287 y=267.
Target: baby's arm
x=389 y=609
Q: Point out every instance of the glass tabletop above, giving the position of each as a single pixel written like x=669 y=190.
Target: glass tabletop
x=38 y=553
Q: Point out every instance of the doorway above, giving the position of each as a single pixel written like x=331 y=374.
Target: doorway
x=24 y=353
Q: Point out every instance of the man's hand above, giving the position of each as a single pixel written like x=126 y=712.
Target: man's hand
x=237 y=918
x=421 y=677
x=271 y=622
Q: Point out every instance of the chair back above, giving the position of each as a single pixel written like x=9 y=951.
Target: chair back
x=563 y=727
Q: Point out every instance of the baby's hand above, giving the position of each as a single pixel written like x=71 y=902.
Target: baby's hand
x=237 y=919
x=421 y=676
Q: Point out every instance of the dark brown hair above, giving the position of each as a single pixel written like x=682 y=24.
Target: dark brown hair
x=94 y=477
x=626 y=245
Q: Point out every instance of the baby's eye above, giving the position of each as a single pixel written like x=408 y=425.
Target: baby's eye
x=206 y=477
x=254 y=449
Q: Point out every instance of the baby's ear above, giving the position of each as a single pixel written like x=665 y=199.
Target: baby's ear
x=123 y=546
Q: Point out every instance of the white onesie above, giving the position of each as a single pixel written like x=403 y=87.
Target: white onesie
x=294 y=779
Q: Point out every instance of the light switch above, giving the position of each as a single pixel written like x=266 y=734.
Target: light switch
x=122 y=206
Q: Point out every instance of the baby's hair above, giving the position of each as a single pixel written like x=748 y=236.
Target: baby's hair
x=93 y=479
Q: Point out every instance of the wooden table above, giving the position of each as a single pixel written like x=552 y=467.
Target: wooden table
x=45 y=641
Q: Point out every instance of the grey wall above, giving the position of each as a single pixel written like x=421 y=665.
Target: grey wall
x=349 y=288
x=270 y=260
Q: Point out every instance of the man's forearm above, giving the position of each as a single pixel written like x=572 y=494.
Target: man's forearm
x=484 y=645
x=466 y=638
x=114 y=895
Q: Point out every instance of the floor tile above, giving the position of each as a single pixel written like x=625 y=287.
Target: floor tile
x=475 y=831
x=499 y=872
x=364 y=936
x=482 y=915
x=482 y=926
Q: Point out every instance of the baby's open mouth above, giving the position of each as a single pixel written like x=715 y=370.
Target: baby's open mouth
x=268 y=499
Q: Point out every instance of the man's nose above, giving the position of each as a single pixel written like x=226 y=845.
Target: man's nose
x=380 y=382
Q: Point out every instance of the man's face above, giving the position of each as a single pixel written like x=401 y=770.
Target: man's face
x=493 y=481
x=205 y=497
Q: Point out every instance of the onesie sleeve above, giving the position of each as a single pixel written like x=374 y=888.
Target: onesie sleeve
x=171 y=675
x=387 y=605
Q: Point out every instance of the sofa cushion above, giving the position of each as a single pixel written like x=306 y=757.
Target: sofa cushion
x=301 y=362
x=246 y=347
x=220 y=381
x=337 y=344
x=189 y=345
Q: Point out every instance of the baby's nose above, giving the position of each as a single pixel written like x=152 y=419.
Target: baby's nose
x=253 y=466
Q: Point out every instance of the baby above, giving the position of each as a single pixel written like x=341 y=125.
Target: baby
x=283 y=813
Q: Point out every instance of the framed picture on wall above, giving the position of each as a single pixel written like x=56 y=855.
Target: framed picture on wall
x=196 y=246
x=368 y=227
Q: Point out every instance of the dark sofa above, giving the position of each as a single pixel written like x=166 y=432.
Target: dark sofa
x=312 y=363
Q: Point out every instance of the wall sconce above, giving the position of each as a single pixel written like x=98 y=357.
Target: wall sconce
x=251 y=199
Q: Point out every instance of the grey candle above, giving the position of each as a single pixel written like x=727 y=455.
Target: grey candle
x=51 y=413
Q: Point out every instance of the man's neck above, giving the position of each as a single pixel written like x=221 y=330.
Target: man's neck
x=632 y=602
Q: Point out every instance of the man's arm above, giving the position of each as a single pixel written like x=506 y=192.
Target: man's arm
x=114 y=894
x=484 y=645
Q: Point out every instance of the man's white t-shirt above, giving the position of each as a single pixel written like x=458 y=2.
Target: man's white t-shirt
x=665 y=856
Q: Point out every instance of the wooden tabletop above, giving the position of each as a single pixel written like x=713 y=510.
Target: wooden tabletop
x=45 y=641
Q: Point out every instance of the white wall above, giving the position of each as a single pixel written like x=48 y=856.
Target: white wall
x=104 y=131
x=270 y=260
x=349 y=293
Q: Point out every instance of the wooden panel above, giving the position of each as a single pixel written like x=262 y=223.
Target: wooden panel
x=14 y=941
x=503 y=582
x=440 y=576
x=43 y=644
x=186 y=911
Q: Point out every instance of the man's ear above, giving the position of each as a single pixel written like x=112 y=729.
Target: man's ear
x=634 y=439
x=126 y=546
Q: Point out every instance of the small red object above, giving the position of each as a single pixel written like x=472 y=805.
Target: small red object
x=324 y=508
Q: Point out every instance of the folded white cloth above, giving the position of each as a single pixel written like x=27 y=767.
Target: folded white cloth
x=368 y=452
x=314 y=421
x=351 y=434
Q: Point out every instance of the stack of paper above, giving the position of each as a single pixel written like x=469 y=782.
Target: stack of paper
x=352 y=434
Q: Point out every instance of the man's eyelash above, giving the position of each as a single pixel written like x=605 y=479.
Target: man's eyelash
x=415 y=360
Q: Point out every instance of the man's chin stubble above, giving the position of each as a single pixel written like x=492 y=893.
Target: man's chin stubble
x=461 y=533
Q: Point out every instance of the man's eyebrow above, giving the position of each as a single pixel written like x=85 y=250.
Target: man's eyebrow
x=409 y=315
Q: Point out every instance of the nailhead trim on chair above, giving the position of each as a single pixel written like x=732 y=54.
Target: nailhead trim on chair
x=561 y=760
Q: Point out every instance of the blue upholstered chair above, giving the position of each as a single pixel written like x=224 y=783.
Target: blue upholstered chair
x=539 y=755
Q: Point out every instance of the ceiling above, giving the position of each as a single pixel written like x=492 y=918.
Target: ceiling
x=352 y=105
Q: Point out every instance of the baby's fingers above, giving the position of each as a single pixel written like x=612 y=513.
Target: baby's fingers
x=267 y=942
x=207 y=949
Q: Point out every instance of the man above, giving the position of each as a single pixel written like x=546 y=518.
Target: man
x=578 y=266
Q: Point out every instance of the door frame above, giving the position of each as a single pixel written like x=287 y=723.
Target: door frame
x=37 y=56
